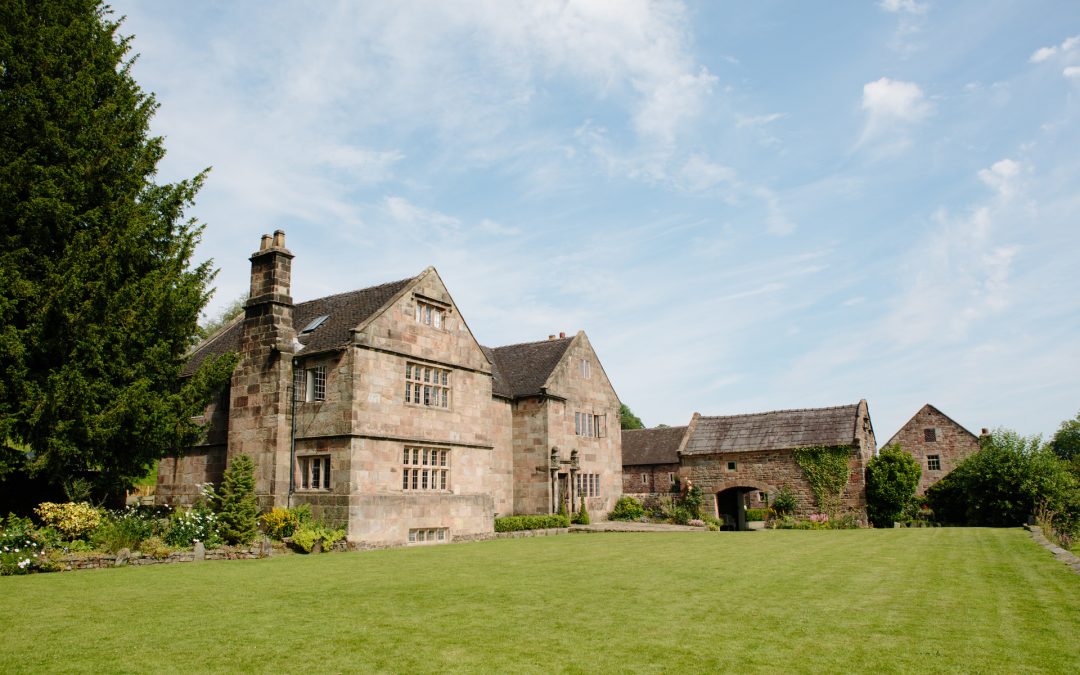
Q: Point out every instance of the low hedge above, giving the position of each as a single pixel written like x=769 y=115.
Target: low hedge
x=757 y=514
x=539 y=522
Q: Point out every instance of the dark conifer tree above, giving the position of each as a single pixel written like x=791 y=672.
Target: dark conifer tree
x=99 y=299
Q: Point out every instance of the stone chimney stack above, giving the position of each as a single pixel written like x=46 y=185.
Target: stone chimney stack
x=259 y=404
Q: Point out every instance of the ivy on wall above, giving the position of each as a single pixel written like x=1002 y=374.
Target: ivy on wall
x=826 y=469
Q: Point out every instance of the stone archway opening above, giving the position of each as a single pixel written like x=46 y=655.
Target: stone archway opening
x=731 y=507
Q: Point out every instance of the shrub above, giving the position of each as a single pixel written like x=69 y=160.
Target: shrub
x=20 y=550
x=188 y=527
x=891 y=480
x=757 y=514
x=308 y=533
x=238 y=510
x=784 y=503
x=1005 y=482
x=680 y=515
x=280 y=522
x=627 y=508
x=126 y=529
x=692 y=500
x=155 y=548
x=582 y=516
x=657 y=506
x=537 y=522
x=72 y=520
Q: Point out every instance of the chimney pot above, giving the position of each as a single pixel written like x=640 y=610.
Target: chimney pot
x=562 y=334
x=279 y=238
x=985 y=431
x=265 y=243
x=551 y=337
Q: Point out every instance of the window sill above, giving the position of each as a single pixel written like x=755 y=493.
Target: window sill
x=420 y=406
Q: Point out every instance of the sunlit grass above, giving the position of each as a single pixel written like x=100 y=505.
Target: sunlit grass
x=823 y=601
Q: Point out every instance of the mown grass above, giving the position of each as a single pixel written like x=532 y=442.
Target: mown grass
x=930 y=600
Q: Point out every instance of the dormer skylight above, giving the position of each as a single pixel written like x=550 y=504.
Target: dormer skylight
x=315 y=323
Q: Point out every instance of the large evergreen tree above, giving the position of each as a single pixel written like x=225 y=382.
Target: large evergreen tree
x=99 y=300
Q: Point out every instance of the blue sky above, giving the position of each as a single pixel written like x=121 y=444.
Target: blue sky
x=747 y=206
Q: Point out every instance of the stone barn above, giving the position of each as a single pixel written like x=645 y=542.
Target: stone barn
x=380 y=410
x=937 y=442
x=743 y=460
x=651 y=460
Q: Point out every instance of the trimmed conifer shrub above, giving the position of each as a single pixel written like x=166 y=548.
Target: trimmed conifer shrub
x=238 y=509
x=583 y=514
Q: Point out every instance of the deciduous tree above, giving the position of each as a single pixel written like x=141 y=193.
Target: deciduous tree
x=891 y=480
x=627 y=418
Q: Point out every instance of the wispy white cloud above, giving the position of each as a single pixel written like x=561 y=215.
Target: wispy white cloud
x=1042 y=54
x=1072 y=72
x=892 y=107
x=1002 y=176
x=1046 y=53
x=907 y=6
x=701 y=174
x=757 y=120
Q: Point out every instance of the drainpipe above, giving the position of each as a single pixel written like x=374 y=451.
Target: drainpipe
x=292 y=436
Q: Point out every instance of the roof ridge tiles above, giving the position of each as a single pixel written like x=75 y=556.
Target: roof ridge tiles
x=535 y=342
x=773 y=412
x=355 y=290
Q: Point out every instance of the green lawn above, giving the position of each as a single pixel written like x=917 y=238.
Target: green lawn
x=927 y=600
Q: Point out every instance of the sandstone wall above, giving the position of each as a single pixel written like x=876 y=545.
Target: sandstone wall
x=590 y=395
x=768 y=471
x=952 y=443
x=657 y=478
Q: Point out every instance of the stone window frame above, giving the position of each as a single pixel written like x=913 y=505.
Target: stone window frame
x=309 y=384
x=590 y=425
x=586 y=369
x=732 y=465
x=314 y=472
x=429 y=314
x=933 y=462
x=428 y=386
x=588 y=484
x=930 y=435
x=423 y=536
x=671 y=477
x=644 y=479
x=425 y=469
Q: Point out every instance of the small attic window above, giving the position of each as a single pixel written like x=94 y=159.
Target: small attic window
x=315 y=323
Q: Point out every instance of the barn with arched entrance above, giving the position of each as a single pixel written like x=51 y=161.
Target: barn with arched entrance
x=741 y=461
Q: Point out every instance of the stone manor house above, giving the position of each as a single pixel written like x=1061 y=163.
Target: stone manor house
x=379 y=409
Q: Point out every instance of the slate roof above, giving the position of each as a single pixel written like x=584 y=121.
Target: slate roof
x=651 y=446
x=346 y=311
x=521 y=370
x=777 y=430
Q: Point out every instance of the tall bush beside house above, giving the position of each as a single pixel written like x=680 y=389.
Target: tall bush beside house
x=238 y=510
x=1009 y=479
x=784 y=502
x=891 y=481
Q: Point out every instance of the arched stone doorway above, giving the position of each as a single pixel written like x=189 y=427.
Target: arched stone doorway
x=731 y=506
